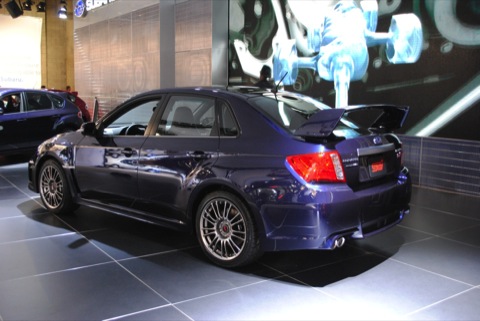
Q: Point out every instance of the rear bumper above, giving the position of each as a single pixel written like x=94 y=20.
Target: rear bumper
x=335 y=213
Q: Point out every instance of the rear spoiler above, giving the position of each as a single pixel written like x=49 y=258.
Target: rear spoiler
x=391 y=118
x=322 y=123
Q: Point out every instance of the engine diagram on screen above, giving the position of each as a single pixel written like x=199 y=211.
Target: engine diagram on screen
x=345 y=52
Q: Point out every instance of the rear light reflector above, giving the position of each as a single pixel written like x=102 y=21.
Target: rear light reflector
x=318 y=167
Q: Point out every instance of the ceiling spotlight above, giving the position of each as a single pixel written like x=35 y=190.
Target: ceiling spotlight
x=41 y=6
x=62 y=13
x=27 y=5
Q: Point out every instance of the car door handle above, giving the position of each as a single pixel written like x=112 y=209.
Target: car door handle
x=128 y=152
x=198 y=155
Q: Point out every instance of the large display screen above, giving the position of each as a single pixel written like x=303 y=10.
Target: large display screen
x=423 y=54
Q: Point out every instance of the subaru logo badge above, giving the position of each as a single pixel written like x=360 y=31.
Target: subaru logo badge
x=377 y=140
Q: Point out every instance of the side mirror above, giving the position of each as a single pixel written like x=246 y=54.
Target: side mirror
x=89 y=129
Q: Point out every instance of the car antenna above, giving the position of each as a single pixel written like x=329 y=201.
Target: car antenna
x=278 y=84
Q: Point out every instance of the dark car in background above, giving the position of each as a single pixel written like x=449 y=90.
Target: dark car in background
x=246 y=170
x=29 y=116
x=74 y=98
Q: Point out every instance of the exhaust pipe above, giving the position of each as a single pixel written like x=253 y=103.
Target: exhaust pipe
x=339 y=242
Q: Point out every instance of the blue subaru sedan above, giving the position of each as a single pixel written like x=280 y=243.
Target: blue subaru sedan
x=29 y=116
x=246 y=170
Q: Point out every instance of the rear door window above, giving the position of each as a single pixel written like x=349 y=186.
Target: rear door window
x=38 y=101
x=188 y=116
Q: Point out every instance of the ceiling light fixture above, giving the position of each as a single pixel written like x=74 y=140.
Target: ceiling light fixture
x=62 y=13
x=27 y=5
x=41 y=6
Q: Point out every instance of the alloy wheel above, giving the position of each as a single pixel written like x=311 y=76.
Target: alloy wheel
x=52 y=186
x=223 y=229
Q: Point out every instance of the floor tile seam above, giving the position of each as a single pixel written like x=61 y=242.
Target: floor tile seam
x=444 y=237
x=113 y=259
x=57 y=271
x=139 y=279
x=431 y=235
x=11 y=217
x=291 y=275
x=438 y=302
x=439 y=236
x=17 y=187
x=33 y=239
x=226 y=291
x=315 y=288
x=157 y=253
x=147 y=310
x=445 y=212
x=432 y=272
x=13 y=199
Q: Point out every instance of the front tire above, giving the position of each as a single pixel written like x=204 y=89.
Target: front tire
x=225 y=230
x=54 y=189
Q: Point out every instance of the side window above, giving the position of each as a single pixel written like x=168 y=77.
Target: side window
x=57 y=101
x=10 y=103
x=188 y=116
x=38 y=101
x=228 y=125
x=132 y=121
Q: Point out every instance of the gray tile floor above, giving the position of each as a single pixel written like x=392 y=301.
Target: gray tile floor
x=96 y=266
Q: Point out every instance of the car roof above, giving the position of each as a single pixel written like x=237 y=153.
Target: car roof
x=242 y=92
x=5 y=90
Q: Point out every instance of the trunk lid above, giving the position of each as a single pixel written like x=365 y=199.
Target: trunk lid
x=368 y=159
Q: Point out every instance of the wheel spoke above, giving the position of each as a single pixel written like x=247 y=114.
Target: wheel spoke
x=226 y=210
x=216 y=210
x=233 y=246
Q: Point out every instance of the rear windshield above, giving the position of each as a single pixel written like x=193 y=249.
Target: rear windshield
x=292 y=111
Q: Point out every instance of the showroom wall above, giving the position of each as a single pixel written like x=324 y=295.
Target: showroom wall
x=122 y=49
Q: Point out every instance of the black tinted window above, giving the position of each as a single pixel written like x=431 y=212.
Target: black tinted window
x=38 y=101
x=291 y=112
x=11 y=103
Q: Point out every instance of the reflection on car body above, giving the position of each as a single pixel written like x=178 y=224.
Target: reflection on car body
x=246 y=170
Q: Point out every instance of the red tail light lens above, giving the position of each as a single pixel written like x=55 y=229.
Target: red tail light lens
x=318 y=167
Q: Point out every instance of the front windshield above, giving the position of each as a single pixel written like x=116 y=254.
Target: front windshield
x=291 y=111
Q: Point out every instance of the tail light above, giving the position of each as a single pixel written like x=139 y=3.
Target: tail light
x=318 y=167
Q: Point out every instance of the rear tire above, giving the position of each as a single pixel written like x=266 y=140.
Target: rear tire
x=54 y=189
x=225 y=230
